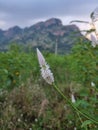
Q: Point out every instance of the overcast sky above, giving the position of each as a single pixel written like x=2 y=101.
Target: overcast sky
x=27 y=12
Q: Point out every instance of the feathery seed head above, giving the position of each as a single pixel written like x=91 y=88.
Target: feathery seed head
x=45 y=70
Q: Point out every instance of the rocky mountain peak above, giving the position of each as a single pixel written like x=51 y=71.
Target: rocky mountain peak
x=44 y=35
x=53 y=21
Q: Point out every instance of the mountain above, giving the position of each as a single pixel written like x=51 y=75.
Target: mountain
x=50 y=35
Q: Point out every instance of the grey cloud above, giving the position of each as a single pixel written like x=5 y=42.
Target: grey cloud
x=21 y=11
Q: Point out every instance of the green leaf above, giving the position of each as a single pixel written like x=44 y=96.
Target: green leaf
x=5 y=71
x=85 y=123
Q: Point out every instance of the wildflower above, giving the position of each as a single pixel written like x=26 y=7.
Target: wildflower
x=36 y=120
x=19 y=120
x=75 y=128
x=45 y=70
x=40 y=58
x=92 y=84
x=94 y=40
x=92 y=36
x=94 y=17
x=73 y=98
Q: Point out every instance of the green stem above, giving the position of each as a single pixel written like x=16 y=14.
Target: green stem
x=74 y=107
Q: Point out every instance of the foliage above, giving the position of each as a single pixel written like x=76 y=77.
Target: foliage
x=84 y=64
x=33 y=104
x=16 y=67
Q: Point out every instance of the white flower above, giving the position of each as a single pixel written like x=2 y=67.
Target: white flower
x=75 y=128
x=40 y=58
x=73 y=98
x=45 y=70
x=94 y=40
x=36 y=120
x=93 y=35
x=94 y=17
x=92 y=84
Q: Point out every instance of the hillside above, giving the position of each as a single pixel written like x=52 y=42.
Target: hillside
x=50 y=35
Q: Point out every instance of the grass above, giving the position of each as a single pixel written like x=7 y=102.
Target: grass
x=28 y=103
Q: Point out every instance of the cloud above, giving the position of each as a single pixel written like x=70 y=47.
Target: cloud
x=25 y=12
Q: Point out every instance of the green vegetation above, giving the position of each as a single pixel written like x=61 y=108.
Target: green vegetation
x=28 y=103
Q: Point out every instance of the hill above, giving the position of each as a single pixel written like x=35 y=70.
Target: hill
x=50 y=35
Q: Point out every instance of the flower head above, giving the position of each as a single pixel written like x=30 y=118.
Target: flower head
x=92 y=84
x=94 y=40
x=73 y=98
x=45 y=70
x=40 y=58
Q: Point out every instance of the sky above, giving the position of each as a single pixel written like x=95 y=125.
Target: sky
x=25 y=13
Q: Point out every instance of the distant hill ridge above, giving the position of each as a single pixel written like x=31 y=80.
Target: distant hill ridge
x=50 y=35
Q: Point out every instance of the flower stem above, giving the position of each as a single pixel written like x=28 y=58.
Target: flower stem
x=73 y=106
